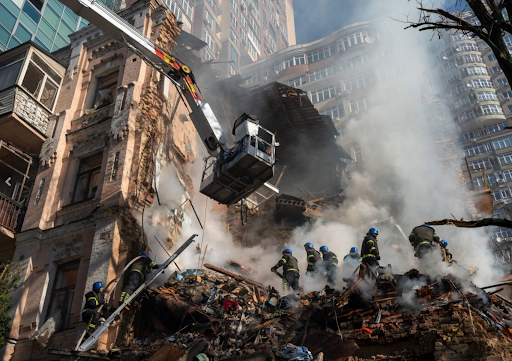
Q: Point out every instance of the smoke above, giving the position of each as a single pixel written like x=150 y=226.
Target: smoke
x=402 y=178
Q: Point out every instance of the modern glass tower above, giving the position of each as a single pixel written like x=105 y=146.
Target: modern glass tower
x=48 y=23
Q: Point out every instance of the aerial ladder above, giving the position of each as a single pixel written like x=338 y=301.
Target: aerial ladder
x=230 y=174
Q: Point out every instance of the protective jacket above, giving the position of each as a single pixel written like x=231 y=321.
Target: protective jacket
x=447 y=256
x=289 y=264
x=313 y=257
x=370 y=248
x=93 y=300
x=330 y=260
x=422 y=235
x=143 y=265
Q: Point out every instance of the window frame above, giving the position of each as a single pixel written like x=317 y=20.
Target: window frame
x=62 y=267
x=90 y=176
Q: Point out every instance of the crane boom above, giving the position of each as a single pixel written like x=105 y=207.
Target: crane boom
x=230 y=174
x=113 y=25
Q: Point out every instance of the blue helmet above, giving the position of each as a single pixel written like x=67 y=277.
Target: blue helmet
x=444 y=242
x=287 y=250
x=324 y=249
x=309 y=244
x=354 y=250
x=143 y=254
x=426 y=225
x=96 y=286
x=373 y=231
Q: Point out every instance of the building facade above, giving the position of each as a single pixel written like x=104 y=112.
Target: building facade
x=480 y=98
x=237 y=32
x=113 y=121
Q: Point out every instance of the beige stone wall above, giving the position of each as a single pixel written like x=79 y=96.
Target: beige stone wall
x=147 y=117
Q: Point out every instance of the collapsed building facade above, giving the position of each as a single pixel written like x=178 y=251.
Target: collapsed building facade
x=114 y=117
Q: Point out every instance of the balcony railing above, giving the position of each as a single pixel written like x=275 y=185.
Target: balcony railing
x=11 y=213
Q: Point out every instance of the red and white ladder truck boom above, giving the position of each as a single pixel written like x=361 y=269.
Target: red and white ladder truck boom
x=230 y=173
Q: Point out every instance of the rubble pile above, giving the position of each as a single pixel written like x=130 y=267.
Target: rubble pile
x=396 y=317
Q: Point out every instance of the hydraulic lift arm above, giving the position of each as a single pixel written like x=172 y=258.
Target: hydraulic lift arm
x=230 y=174
x=87 y=344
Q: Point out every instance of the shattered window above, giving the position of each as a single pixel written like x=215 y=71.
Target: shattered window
x=105 y=90
x=88 y=178
x=63 y=291
x=480 y=164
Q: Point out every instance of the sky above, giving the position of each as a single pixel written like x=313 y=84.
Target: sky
x=332 y=15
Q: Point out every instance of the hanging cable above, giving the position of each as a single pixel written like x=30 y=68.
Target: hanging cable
x=204 y=229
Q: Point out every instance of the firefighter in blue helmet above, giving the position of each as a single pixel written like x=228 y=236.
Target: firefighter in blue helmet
x=291 y=273
x=370 y=253
x=331 y=265
x=313 y=257
x=350 y=263
x=93 y=301
x=136 y=275
x=422 y=238
x=447 y=256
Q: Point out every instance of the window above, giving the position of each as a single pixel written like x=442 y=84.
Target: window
x=491 y=109
x=187 y=8
x=476 y=70
x=469 y=135
x=358 y=154
x=392 y=71
x=474 y=149
x=478 y=182
x=325 y=93
x=465 y=117
x=501 y=194
x=9 y=71
x=502 y=81
x=208 y=19
x=63 y=291
x=503 y=142
x=234 y=57
x=483 y=96
x=491 y=57
x=41 y=81
x=481 y=83
x=472 y=58
x=291 y=62
x=105 y=90
x=496 y=70
x=361 y=82
x=508 y=175
x=234 y=20
x=88 y=178
x=505 y=158
x=335 y=112
x=510 y=108
x=232 y=36
x=502 y=233
x=508 y=40
x=507 y=95
x=466 y=47
x=321 y=73
x=296 y=82
x=321 y=54
x=258 y=77
x=234 y=5
x=479 y=164
x=208 y=39
x=173 y=6
x=359 y=105
x=355 y=62
x=459 y=37
x=351 y=40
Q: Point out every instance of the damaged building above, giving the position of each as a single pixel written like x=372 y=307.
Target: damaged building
x=95 y=142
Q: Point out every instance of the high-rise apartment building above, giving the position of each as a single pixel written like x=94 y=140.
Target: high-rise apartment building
x=480 y=97
x=237 y=32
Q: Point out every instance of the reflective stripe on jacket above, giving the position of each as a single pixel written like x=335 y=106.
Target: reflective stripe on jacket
x=313 y=257
x=421 y=235
x=289 y=263
x=370 y=248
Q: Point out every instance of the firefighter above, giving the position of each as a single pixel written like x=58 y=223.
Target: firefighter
x=93 y=301
x=422 y=239
x=331 y=265
x=370 y=252
x=350 y=262
x=137 y=274
x=291 y=273
x=313 y=256
x=447 y=256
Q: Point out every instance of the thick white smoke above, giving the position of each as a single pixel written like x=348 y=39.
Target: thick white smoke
x=403 y=177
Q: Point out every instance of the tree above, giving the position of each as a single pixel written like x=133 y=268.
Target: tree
x=494 y=25
x=9 y=275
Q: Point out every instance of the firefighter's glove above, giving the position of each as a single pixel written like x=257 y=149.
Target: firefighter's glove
x=273 y=269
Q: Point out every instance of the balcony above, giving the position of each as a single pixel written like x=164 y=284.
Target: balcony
x=29 y=85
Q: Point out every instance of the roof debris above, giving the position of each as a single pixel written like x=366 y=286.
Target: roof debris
x=224 y=316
